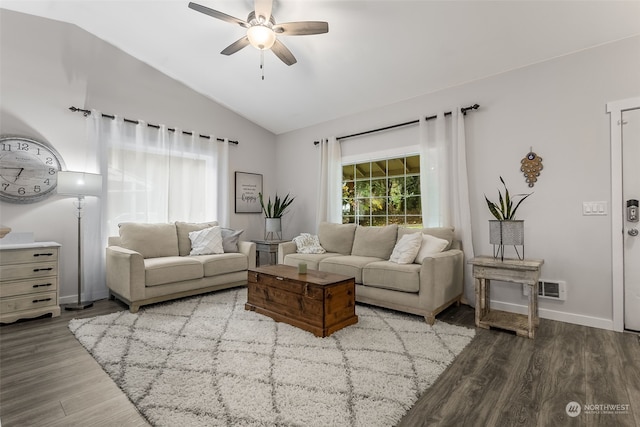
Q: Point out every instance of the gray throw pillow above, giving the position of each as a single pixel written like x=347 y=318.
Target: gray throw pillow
x=230 y=238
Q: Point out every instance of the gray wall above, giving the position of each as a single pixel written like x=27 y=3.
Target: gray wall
x=558 y=108
x=47 y=66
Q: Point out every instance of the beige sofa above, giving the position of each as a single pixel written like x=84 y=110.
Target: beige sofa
x=149 y=263
x=363 y=253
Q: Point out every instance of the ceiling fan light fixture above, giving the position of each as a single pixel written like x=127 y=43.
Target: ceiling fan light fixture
x=261 y=37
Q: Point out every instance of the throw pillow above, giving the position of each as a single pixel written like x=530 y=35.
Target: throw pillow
x=230 y=238
x=150 y=240
x=206 y=242
x=184 y=228
x=430 y=245
x=406 y=249
x=308 y=244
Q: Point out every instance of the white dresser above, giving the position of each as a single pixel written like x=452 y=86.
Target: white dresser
x=28 y=280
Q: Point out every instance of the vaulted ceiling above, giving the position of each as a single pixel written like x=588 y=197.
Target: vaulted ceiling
x=375 y=53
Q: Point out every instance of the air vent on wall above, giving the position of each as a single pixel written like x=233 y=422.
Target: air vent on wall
x=551 y=289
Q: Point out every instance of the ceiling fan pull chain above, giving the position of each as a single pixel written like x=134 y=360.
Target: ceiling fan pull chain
x=262 y=63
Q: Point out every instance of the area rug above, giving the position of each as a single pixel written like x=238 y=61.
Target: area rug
x=206 y=361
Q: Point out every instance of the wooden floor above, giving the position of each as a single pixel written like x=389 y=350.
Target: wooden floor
x=48 y=379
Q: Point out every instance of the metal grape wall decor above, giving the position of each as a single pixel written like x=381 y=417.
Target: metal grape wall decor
x=531 y=167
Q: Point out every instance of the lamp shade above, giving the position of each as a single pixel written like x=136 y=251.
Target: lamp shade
x=79 y=183
x=261 y=37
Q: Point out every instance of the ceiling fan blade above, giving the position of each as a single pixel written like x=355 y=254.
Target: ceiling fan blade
x=236 y=46
x=303 y=28
x=217 y=14
x=263 y=8
x=283 y=53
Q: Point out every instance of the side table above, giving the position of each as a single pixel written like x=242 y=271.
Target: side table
x=270 y=247
x=521 y=272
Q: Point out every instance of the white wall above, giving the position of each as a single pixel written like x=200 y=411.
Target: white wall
x=47 y=66
x=558 y=108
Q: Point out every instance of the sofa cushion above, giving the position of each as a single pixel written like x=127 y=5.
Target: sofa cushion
x=430 y=245
x=170 y=269
x=150 y=240
x=389 y=275
x=407 y=248
x=375 y=242
x=446 y=233
x=184 y=228
x=312 y=260
x=308 y=244
x=206 y=242
x=230 y=238
x=215 y=265
x=336 y=237
x=347 y=265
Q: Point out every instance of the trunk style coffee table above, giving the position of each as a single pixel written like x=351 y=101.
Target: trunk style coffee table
x=318 y=302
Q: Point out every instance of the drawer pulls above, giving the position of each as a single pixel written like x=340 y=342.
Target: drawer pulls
x=43 y=285
x=42 y=269
x=44 y=254
x=41 y=300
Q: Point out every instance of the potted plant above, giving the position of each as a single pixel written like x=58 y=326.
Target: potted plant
x=273 y=214
x=505 y=229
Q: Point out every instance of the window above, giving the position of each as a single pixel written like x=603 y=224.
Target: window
x=382 y=192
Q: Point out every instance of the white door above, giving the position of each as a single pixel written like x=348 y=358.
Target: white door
x=631 y=192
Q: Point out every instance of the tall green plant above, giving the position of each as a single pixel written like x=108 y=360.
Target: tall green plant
x=277 y=208
x=504 y=209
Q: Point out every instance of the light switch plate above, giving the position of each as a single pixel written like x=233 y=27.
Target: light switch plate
x=595 y=208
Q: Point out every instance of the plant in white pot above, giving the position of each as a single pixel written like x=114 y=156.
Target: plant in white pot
x=505 y=229
x=273 y=215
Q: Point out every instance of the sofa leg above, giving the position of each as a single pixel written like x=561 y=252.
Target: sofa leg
x=430 y=318
x=133 y=308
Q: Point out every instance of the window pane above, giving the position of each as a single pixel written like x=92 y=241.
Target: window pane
x=348 y=219
x=396 y=220
x=365 y=221
x=413 y=185
x=413 y=205
x=379 y=168
x=413 y=165
x=348 y=189
x=396 y=167
x=362 y=207
x=396 y=205
x=396 y=187
x=414 y=221
x=348 y=172
x=363 y=170
x=379 y=206
x=348 y=207
x=379 y=187
x=379 y=220
x=363 y=188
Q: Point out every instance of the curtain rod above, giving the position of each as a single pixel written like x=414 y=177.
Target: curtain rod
x=463 y=110
x=109 y=116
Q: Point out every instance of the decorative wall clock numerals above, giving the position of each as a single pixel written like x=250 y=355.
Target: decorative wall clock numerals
x=28 y=169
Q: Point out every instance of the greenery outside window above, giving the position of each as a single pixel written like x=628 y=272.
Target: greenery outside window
x=382 y=192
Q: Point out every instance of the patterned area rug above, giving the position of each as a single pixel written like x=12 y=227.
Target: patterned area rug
x=207 y=361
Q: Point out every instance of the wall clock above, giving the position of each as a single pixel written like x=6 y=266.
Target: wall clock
x=28 y=169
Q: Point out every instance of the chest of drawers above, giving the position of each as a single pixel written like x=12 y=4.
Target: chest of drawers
x=28 y=281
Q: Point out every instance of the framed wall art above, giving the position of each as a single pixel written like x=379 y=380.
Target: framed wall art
x=248 y=186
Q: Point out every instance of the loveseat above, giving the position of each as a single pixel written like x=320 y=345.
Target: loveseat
x=424 y=288
x=149 y=263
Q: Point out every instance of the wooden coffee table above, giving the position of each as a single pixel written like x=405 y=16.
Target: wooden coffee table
x=318 y=302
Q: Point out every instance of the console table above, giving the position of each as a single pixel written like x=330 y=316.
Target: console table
x=270 y=247
x=520 y=272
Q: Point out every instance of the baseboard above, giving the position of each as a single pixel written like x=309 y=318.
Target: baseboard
x=70 y=299
x=560 y=316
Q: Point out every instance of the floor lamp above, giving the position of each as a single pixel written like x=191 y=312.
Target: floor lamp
x=79 y=184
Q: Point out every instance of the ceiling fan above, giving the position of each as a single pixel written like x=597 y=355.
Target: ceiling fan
x=262 y=30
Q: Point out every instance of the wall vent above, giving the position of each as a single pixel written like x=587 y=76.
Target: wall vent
x=551 y=289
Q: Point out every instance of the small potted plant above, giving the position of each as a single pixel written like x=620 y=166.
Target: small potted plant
x=505 y=229
x=273 y=214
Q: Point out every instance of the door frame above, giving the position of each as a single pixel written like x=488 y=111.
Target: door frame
x=615 y=110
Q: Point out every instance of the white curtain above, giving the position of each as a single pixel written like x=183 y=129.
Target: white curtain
x=157 y=175
x=444 y=183
x=330 y=183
